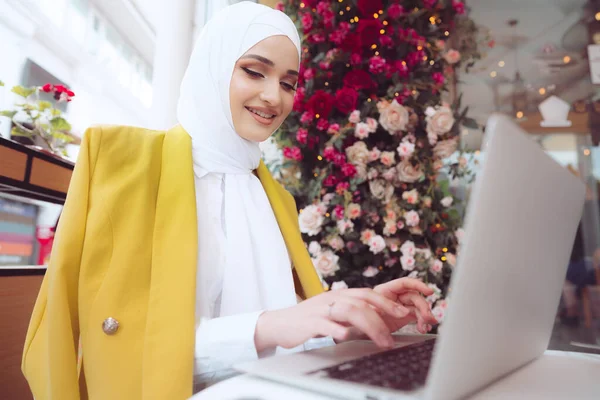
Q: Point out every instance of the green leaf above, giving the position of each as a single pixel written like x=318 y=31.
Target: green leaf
x=55 y=112
x=23 y=91
x=44 y=105
x=454 y=215
x=60 y=124
x=16 y=131
x=470 y=123
x=8 y=114
x=445 y=187
x=1 y=83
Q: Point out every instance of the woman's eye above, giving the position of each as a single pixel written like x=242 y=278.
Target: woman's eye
x=253 y=74
x=288 y=87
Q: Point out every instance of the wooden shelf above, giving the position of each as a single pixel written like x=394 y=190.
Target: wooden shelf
x=32 y=173
x=579 y=124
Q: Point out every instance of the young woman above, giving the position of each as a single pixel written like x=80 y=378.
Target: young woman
x=172 y=258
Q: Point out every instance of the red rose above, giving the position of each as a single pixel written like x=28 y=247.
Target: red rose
x=438 y=78
x=352 y=43
x=377 y=64
x=356 y=59
x=47 y=88
x=329 y=153
x=402 y=68
x=338 y=211
x=320 y=103
x=279 y=6
x=369 y=7
x=329 y=19
x=386 y=41
x=368 y=29
x=395 y=10
x=322 y=7
x=330 y=181
x=339 y=159
x=349 y=170
x=359 y=80
x=459 y=7
x=337 y=37
x=345 y=100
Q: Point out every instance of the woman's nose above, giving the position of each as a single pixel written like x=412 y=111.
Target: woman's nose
x=270 y=93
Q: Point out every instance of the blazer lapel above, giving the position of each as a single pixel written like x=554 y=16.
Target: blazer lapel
x=287 y=218
x=169 y=339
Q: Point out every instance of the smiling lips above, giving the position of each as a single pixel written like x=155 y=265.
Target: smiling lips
x=265 y=118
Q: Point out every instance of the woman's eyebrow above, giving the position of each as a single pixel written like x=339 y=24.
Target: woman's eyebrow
x=268 y=62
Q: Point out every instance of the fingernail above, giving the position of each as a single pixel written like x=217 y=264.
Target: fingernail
x=401 y=311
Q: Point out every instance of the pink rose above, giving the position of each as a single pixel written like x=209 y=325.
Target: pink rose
x=387 y=158
x=333 y=129
x=395 y=11
x=386 y=41
x=309 y=74
x=459 y=7
x=354 y=117
x=307 y=117
x=342 y=187
x=293 y=153
x=349 y=170
x=376 y=244
x=338 y=212
x=438 y=78
x=307 y=22
x=374 y=154
x=452 y=56
x=377 y=65
x=279 y=6
x=356 y=59
x=322 y=125
x=302 y=136
x=329 y=153
x=372 y=124
x=362 y=130
x=412 y=218
x=406 y=149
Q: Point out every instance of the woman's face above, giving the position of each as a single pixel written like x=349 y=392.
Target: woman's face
x=263 y=83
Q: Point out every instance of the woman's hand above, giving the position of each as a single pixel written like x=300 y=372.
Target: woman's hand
x=346 y=314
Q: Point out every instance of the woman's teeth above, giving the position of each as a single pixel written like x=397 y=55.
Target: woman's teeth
x=260 y=113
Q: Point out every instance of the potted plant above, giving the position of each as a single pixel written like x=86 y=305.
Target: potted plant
x=39 y=120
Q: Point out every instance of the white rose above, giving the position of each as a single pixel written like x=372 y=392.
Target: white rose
x=408 y=173
x=361 y=171
x=407 y=262
x=432 y=138
x=437 y=293
x=408 y=248
x=460 y=235
x=439 y=313
x=314 y=248
x=358 y=154
x=376 y=244
x=390 y=228
x=354 y=117
x=362 y=130
x=411 y=197
x=366 y=235
x=393 y=117
x=339 y=285
x=426 y=253
x=412 y=218
x=370 y=272
x=445 y=148
x=327 y=198
x=336 y=243
x=452 y=56
x=462 y=161
x=446 y=201
x=436 y=267
x=389 y=175
x=372 y=174
x=406 y=149
x=310 y=220
x=326 y=263
x=372 y=124
x=388 y=194
x=441 y=122
x=344 y=225
x=377 y=188
x=387 y=158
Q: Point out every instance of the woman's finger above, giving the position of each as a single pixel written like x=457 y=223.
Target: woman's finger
x=401 y=285
x=421 y=304
x=379 y=301
x=327 y=327
x=361 y=315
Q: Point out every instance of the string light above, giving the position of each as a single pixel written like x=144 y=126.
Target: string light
x=424 y=58
x=396 y=94
x=369 y=100
x=380 y=12
x=414 y=92
x=316 y=174
x=326 y=83
x=404 y=63
x=341 y=13
x=347 y=8
x=445 y=249
x=597 y=16
x=432 y=20
x=438 y=226
x=586 y=152
x=493 y=74
x=347 y=65
x=431 y=62
x=356 y=19
x=566 y=59
x=542 y=91
x=302 y=5
x=376 y=53
x=327 y=215
x=519 y=114
x=382 y=31
x=444 y=258
x=385 y=23
x=447 y=33
x=339 y=1
x=501 y=64
x=320 y=158
x=306 y=50
x=375 y=15
x=373 y=46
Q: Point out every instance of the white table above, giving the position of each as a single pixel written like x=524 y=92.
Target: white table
x=555 y=375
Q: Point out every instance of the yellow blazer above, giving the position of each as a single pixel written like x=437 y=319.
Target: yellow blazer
x=126 y=248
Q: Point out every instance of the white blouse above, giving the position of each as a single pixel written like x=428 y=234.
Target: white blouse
x=221 y=341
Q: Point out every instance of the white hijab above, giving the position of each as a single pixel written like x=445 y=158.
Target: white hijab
x=257 y=274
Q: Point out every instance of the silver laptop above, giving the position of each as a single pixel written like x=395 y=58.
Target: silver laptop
x=520 y=227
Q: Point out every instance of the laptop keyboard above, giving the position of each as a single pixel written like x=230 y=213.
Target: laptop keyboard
x=403 y=368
